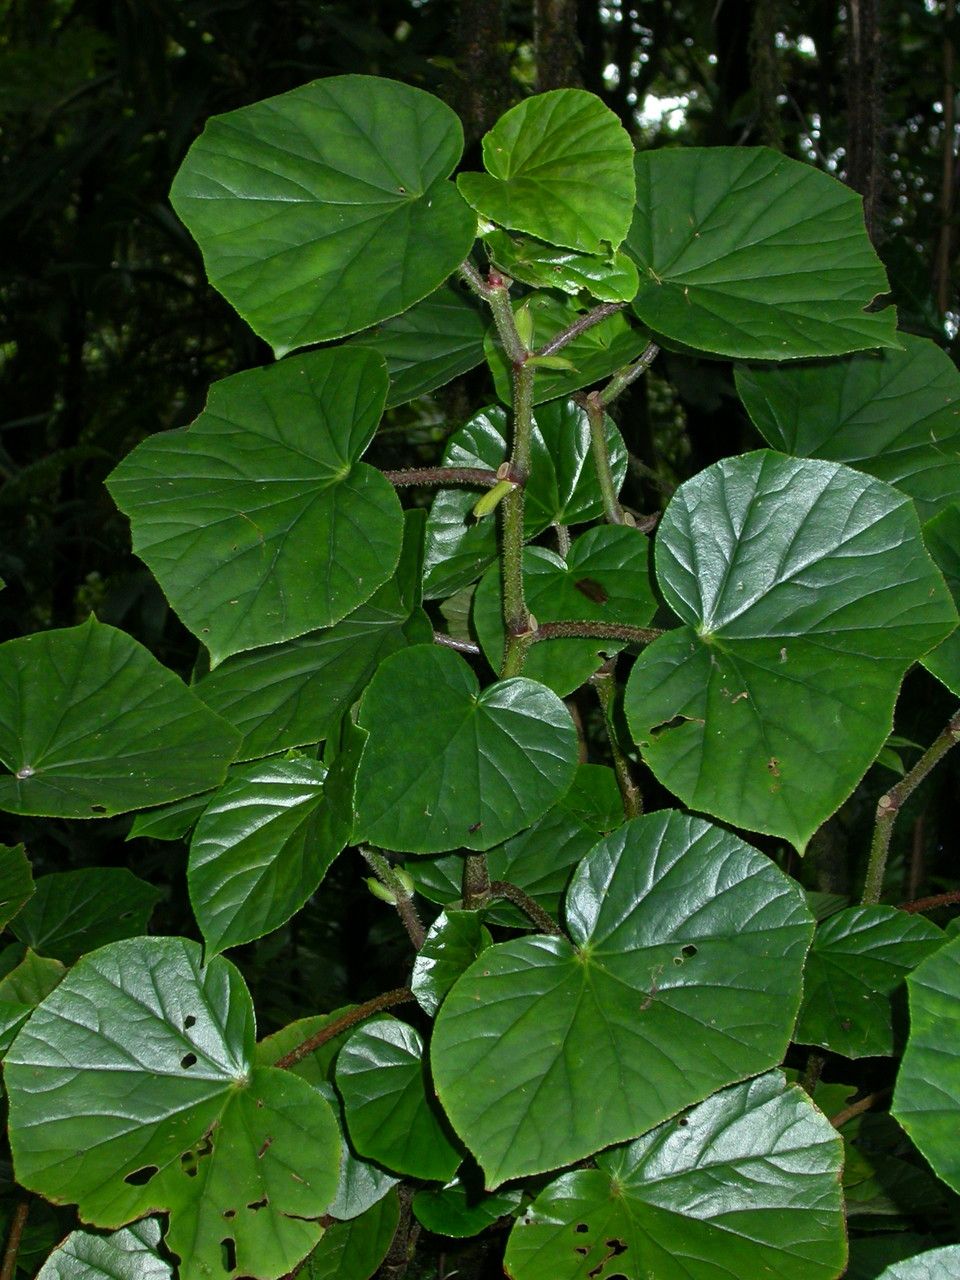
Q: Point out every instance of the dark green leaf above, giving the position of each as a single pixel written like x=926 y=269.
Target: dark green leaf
x=353 y=1250
x=262 y=846
x=563 y=488
x=937 y=1264
x=744 y=1185
x=744 y=252
x=326 y=209
x=453 y=942
x=447 y=766
x=16 y=881
x=893 y=414
x=76 y=911
x=31 y=981
x=92 y=725
x=807 y=593
x=942 y=538
x=683 y=975
x=130 y=1254
x=460 y=1211
x=611 y=278
x=391 y=1116
x=170 y=821
x=855 y=970
x=259 y=521
x=595 y=798
x=546 y=159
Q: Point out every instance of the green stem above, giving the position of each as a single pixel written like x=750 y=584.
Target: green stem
x=601 y=457
x=443 y=475
x=516 y=616
x=892 y=801
x=403 y=901
x=400 y=995
x=532 y=910
x=624 y=377
x=475 y=886
x=580 y=325
x=606 y=686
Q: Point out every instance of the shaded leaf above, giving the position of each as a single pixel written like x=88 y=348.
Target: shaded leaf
x=169 y=821
x=459 y=1210
x=942 y=538
x=76 y=911
x=453 y=942
x=16 y=881
x=31 y=981
x=609 y=277
x=353 y=1250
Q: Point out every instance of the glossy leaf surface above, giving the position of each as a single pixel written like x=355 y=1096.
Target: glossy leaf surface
x=129 y=1254
x=453 y=942
x=935 y=1264
x=746 y=253
x=545 y=160
x=353 y=1250
x=16 y=881
x=346 y=177
x=611 y=278
x=745 y=1184
x=76 y=911
x=806 y=593
x=92 y=725
x=259 y=521
x=942 y=538
x=459 y=1211
x=855 y=972
x=260 y=848
x=683 y=975
x=447 y=765
x=563 y=488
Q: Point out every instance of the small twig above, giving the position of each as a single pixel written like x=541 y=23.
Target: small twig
x=17 y=1224
x=594 y=631
x=606 y=686
x=478 y=476
x=400 y=995
x=601 y=457
x=532 y=910
x=580 y=325
x=892 y=801
x=461 y=646
x=469 y=274
x=931 y=903
x=857 y=1108
x=402 y=899
x=624 y=377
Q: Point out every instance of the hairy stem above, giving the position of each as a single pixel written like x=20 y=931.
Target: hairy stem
x=624 y=377
x=443 y=475
x=403 y=901
x=461 y=646
x=475 y=885
x=606 y=686
x=515 y=614
x=580 y=325
x=892 y=801
x=17 y=1223
x=931 y=903
x=532 y=910
x=612 y=509
x=594 y=631
x=400 y=995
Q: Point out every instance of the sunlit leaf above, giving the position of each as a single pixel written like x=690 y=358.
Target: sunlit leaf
x=453 y=942
x=129 y=1254
x=611 y=278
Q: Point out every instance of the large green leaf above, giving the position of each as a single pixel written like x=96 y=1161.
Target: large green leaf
x=892 y=414
x=806 y=593
x=594 y=355
x=92 y=725
x=942 y=538
x=935 y=1264
x=744 y=252
x=447 y=766
x=453 y=942
x=261 y=847
x=130 y=1254
x=855 y=972
x=683 y=975
x=429 y=345
x=16 y=881
x=391 y=1116
x=563 y=488
x=76 y=911
x=609 y=277
x=258 y=520
x=291 y=694
x=927 y=1097
x=132 y=1089
x=546 y=160
x=353 y=1250
x=326 y=209
x=747 y=1184
x=606 y=577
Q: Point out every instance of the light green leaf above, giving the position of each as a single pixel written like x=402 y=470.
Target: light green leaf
x=546 y=160
x=683 y=975
x=391 y=1116
x=92 y=725
x=942 y=538
x=259 y=521
x=132 y=1090
x=806 y=593
x=16 y=881
x=453 y=942
x=76 y=911
x=936 y=1264
x=31 y=981
x=594 y=355
x=893 y=414
x=744 y=252
x=130 y=1254
x=292 y=694
x=854 y=976
x=927 y=1097
x=429 y=345
x=353 y=1250
x=610 y=277
x=263 y=844
x=745 y=1184
x=563 y=488
x=460 y=1210
x=447 y=766
x=606 y=577
x=326 y=209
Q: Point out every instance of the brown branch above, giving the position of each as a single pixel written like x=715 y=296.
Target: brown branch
x=400 y=995
x=532 y=910
x=929 y=904
x=443 y=475
x=17 y=1224
x=857 y=1108
x=580 y=325
x=594 y=631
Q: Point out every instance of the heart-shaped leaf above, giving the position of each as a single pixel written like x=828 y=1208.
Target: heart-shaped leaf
x=935 y=1264
x=611 y=278
x=563 y=488
x=746 y=253
x=807 y=593
x=132 y=1089
x=942 y=538
x=683 y=974
x=76 y=911
x=446 y=766
x=745 y=1184
x=429 y=345
x=261 y=847
x=855 y=969
x=546 y=159
x=16 y=881
x=326 y=209
x=129 y=1254
x=353 y=1250
x=893 y=414
x=453 y=942
x=927 y=1097
x=460 y=1210
x=258 y=520
x=606 y=577
x=391 y=1116
x=291 y=694
x=92 y=725
x=594 y=354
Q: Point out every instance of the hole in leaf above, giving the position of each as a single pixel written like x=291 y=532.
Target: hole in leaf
x=189 y=1021
x=616 y=1247
x=140 y=1177
x=581 y=1227
x=228 y=1254
x=98 y=808
x=188 y=1163
x=188 y=1060
x=582 y=1249
x=229 y=1213
x=674 y=723
x=258 y=1204
x=689 y=950
x=683 y=1122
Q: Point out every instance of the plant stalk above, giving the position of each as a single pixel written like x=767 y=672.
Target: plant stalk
x=612 y=509
x=475 y=885
x=17 y=1224
x=516 y=617
x=594 y=631
x=403 y=901
x=580 y=325
x=443 y=476
x=606 y=686
x=629 y=374
x=400 y=995
x=531 y=909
